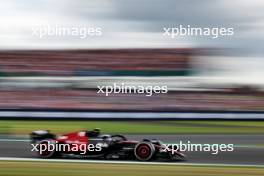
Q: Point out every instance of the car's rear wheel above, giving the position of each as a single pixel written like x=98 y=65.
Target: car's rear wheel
x=144 y=151
x=44 y=151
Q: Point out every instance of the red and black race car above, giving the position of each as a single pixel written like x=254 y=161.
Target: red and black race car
x=93 y=144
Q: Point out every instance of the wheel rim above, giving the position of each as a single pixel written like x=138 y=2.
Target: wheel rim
x=46 y=153
x=143 y=151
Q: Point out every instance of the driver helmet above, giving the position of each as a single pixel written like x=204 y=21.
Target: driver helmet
x=97 y=131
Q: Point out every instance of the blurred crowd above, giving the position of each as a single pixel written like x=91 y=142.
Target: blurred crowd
x=90 y=100
x=92 y=62
x=115 y=63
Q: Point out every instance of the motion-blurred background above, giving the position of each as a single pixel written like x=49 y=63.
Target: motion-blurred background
x=68 y=79
x=62 y=72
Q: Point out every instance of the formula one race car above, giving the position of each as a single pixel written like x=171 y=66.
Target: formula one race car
x=92 y=144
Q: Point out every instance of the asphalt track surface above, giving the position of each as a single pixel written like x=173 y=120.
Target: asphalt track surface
x=248 y=149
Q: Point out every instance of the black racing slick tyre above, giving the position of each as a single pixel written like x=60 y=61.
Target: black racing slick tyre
x=144 y=151
x=43 y=149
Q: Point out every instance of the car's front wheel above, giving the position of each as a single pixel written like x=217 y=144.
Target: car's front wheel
x=144 y=151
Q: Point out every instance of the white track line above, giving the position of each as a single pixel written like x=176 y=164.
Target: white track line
x=125 y=162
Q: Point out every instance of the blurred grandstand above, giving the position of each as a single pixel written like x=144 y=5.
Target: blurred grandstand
x=67 y=79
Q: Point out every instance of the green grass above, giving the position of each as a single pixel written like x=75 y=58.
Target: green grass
x=146 y=127
x=15 y=168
